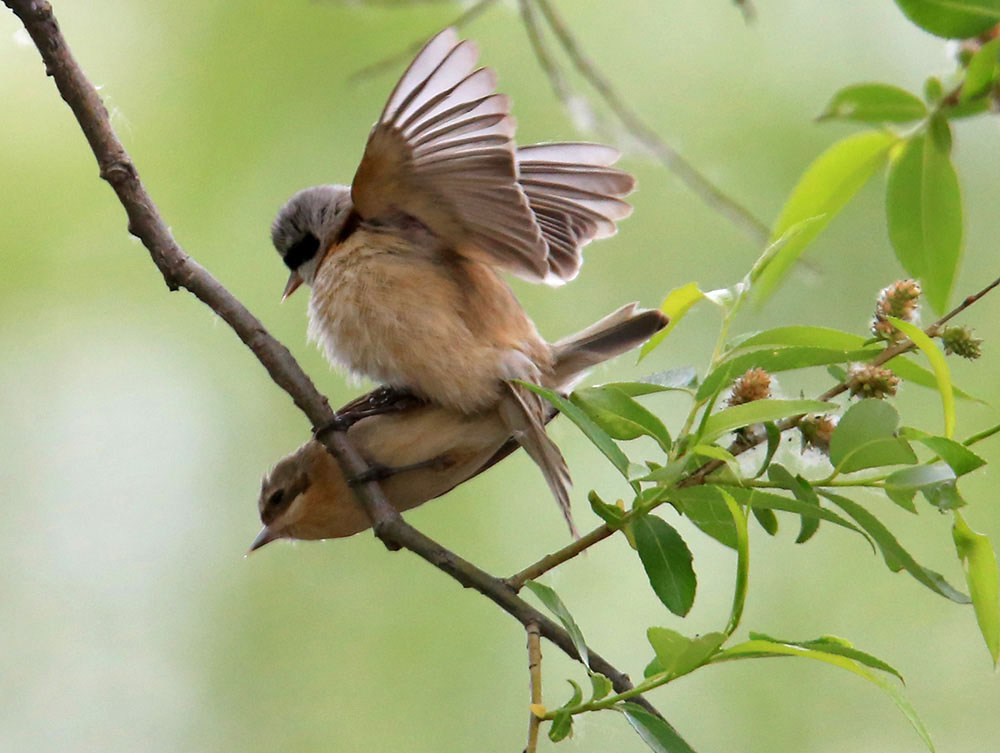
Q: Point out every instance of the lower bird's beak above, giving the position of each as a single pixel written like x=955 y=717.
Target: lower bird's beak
x=265 y=536
x=294 y=280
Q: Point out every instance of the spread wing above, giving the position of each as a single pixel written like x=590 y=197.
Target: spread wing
x=575 y=196
x=443 y=152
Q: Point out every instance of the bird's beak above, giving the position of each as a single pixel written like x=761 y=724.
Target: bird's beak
x=265 y=536
x=294 y=280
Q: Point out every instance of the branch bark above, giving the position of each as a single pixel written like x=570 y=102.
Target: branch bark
x=181 y=271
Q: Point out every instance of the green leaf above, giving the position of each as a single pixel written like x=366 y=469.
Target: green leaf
x=822 y=191
x=705 y=507
x=961 y=459
x=677 y=654
x=667 y=562
x=803 y=492
x=874 y=103
x=554 y=604
x=592 y=431
x=924 y=211
x=866 y=437
x=767 y=519
x=901 y=485
x=681 y=380
x=833 y=644
x=677 y=303
x=761 y=648
x=952 y=19
x=655 y=732
x=906 y=369
x=777 y=359
x=982 y=71
x=816 y=337
x=610 y=514
x=601 y=686
x=757 y=412
x=742 y=562
x=896 y=557
x=941 y=371
x=773 y=442
x=766 y=500
x=717 y=453
x=620 y=416
x=976 y=553
x=562 y=726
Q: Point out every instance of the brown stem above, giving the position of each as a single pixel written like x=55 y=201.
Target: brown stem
x=181 y=271
x=535 y=675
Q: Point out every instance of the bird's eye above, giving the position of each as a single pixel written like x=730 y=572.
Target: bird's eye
x=275 y=499
x=301 y=251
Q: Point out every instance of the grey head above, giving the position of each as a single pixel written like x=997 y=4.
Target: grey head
x=305 y=228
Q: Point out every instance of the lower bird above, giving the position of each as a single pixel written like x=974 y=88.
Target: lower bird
x=405 y=264
x=427 y=449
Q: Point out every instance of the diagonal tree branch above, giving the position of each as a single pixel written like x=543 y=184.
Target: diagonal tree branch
x=181 y=271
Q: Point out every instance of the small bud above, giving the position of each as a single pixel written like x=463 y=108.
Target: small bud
x=755 y=384
x=816 y=431
x=959 y=340
x=898 y=300
x=865 y=380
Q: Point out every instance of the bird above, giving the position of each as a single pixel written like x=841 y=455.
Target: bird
x=426 y=449
x=405 y=263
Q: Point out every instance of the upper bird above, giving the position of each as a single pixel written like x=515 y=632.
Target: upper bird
x=405 y=262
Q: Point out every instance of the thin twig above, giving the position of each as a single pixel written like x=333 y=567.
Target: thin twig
x=403 y=56
x=739 y=446
x=535 y=678
x=701 y=186
x=181 y=271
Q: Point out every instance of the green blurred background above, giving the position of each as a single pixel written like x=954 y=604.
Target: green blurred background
x=134 y=427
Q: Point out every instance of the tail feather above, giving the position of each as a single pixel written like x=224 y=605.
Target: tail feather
x=525 y=415
x=617 y=333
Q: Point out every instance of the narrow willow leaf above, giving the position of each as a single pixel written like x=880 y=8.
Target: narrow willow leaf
x=941 y=371
x=677 y=303
x=961 y=459
x=906 y=369
x=902 y=484
x=866 y=437
x=775 y=360
x=655 y=732
x=924 y=211
x=742 y=561
x=554 y=604
x=803 y=492
x=718 y=453
x=896 y=557
x=822 y=191
x=667 y=562
x=976 y=553
x=816 y=337
x=833 y=644
x=952 y=19
x=773 y=442
x=621 y=416
x=592 y=431
x=874 y=103
x=758 y=411
x=760 y=648
x=766 y=500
